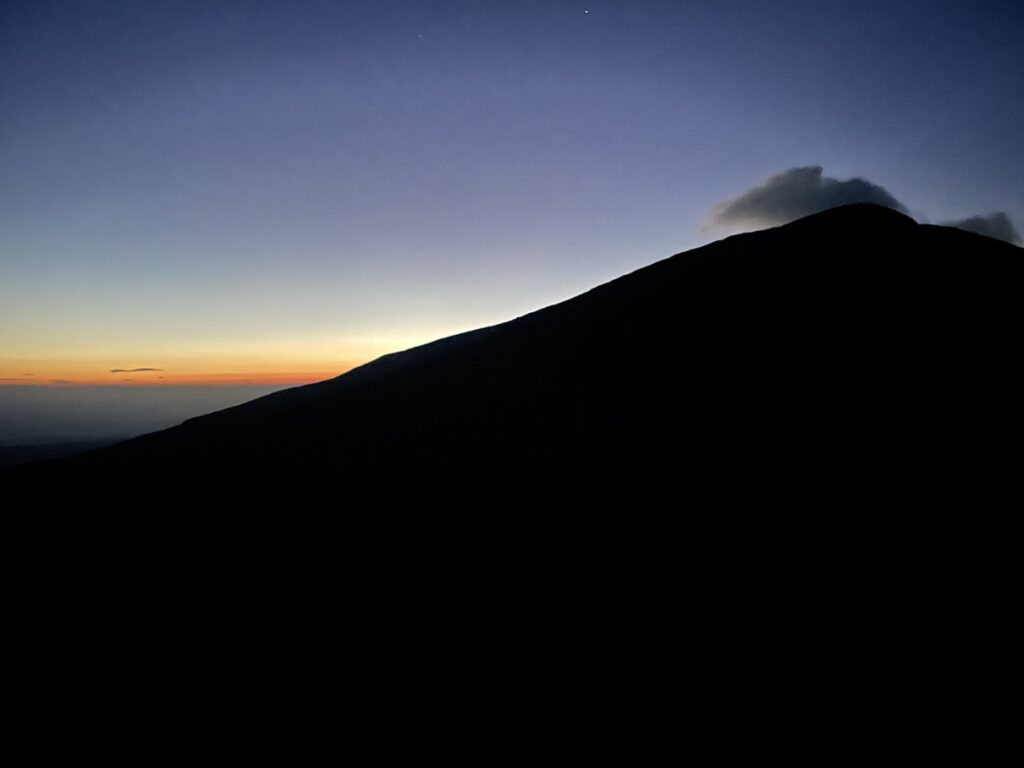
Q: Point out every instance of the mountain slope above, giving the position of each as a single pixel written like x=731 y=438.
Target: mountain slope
x=802 y=415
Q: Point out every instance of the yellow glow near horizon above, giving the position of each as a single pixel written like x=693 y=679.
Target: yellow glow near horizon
x=204 y=362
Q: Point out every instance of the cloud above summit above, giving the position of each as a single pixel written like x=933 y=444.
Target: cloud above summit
x=805 y=190
x=796 y=193
x=997 y=225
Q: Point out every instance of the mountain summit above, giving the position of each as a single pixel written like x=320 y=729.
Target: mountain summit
x=804 y=421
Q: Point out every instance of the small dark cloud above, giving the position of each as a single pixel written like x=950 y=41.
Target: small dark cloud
x=133 y=370
x=997 y=225
x=61 y=381
x=795 y=193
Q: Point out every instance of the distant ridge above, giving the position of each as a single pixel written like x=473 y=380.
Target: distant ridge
x=799 y=425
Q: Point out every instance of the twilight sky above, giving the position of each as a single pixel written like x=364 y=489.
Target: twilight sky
x=263 y=193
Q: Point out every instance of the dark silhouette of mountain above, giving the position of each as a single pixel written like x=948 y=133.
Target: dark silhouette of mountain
x=12 y=455
x=801 y=432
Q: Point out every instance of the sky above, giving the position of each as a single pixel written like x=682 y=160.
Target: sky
x=221 y=198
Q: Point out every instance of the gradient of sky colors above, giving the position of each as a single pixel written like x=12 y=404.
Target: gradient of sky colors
x=272 y=192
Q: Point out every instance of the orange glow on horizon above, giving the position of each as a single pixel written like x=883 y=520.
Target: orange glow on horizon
x=156 y=378
x=201 y=363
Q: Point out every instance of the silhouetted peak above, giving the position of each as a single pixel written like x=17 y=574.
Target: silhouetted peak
x=858 y=215
x=756 y=418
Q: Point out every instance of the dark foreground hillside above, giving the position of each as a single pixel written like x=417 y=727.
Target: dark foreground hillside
x=13 y=455
x=804 y=430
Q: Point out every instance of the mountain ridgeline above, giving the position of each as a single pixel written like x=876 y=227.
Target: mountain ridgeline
x=810 y=421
